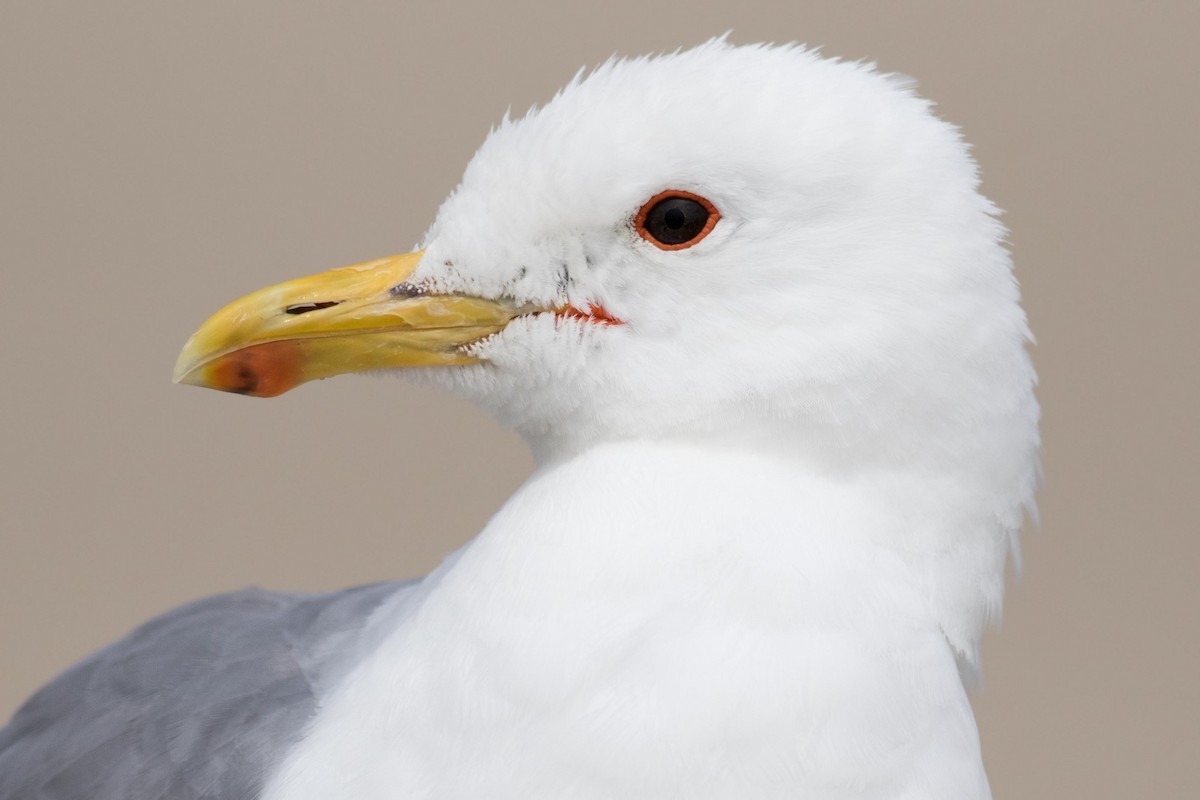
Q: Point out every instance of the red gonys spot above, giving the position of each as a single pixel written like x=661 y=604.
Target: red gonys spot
x=262 y=370
x=597 y=315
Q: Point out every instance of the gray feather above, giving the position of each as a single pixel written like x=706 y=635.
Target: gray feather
x=202 y=702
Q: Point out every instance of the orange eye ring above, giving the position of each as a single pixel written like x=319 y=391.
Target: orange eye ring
x=675 y=225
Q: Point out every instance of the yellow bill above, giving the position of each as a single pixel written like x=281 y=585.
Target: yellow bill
x=353 y=319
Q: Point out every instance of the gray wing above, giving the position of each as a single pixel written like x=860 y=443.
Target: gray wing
x=201 y=702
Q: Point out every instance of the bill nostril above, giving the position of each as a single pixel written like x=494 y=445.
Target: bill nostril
x=304 y=308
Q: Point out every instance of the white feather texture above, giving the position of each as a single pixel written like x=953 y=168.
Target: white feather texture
x=772 y=509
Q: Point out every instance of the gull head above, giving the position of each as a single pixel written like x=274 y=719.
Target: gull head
x=738 y=242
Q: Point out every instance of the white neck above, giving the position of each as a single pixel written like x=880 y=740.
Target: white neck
x=654 y=620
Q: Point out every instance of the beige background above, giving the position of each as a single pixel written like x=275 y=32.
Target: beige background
x=160 y=158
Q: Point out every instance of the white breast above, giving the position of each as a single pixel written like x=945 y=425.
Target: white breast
x=657 y=621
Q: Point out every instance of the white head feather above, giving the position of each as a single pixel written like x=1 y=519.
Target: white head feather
x=854 y=306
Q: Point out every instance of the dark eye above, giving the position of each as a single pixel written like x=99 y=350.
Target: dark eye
x=675 y=219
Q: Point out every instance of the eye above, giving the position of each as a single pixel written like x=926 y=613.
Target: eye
x=675 y=219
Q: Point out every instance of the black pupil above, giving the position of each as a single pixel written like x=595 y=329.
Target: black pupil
x=676 y=220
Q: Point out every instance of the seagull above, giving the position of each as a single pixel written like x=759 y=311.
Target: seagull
x=760 y=329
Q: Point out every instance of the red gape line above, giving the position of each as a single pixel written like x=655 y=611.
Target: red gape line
x=595 y=314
